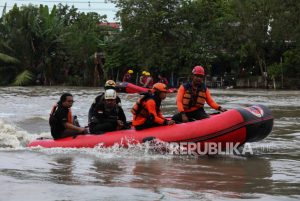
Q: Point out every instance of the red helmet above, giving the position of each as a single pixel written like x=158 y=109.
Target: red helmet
x=198 y=70
x=160 y=87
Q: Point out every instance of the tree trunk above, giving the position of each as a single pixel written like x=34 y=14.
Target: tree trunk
x=263 y=69
x=96 y=77
x=98 y=71
x=117 y=78
x=172 y=78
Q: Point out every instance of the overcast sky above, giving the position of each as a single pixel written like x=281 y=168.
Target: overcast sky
x=103 y=7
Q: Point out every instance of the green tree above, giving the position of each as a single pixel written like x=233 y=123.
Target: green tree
x=173 y=34
x=50 y=42
x=86 y=38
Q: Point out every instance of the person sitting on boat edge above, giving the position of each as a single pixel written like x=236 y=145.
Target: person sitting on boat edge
x=146 y=112
x=61 y=121
x=107 y=115
x=128 y=76
x=192 y=96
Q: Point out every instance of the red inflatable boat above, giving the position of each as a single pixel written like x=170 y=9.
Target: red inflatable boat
x=241 y=125
x=126 y=87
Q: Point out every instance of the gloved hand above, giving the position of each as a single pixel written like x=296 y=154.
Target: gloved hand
x=222 y=109
x=83 y=130
x=170 y=122
x=120 y=124
x=184 y=117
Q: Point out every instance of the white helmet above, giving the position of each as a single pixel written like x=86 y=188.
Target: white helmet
x=110 y=94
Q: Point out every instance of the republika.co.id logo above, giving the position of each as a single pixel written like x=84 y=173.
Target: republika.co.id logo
x=208 y=148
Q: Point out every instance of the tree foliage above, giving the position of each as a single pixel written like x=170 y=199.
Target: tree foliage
x=53 y=44
x=24 y=78
x=57 y=45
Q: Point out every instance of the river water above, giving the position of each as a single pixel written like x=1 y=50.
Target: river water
x=272 y=172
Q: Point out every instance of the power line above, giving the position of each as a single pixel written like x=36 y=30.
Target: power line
x=104 y=9
x=89 y=2
x=70 y=1
x=91 y=5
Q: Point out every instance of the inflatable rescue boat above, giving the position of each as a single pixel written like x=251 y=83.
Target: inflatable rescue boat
x=240 y=125
x=126 y=87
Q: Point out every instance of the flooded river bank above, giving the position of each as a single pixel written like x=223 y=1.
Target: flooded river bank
x=271 y=173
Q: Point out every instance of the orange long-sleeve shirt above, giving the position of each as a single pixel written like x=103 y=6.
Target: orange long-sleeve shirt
x=181 y=91
x=150 y=106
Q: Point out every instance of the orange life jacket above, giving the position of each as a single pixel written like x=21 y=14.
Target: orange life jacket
x=192 y=99
x=139 y=109
x=141 y=113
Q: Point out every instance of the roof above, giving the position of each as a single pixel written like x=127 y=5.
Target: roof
x=114 y=25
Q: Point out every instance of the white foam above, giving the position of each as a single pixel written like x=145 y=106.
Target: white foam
x=12 y=137
x=133 y=151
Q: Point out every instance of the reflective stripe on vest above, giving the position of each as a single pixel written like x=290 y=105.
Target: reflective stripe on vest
x=139 y=109
x=189 y=100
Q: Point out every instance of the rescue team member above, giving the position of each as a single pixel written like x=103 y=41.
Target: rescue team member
x=143 y=78
x=99 y=100
x=61 y=120
x=146 y=112
x=128 y=76
x=192 y=96
x=149 y=81
x=110 y=84
x=107 y=115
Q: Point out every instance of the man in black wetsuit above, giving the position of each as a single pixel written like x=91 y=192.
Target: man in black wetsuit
x=109 y=84
x=61 y=120
x=105 y=114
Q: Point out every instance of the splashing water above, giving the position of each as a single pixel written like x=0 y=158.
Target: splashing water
x=11 y=137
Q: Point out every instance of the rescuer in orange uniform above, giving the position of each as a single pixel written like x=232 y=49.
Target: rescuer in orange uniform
x=146 y=112
x=128 y=76
x=191 y=98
